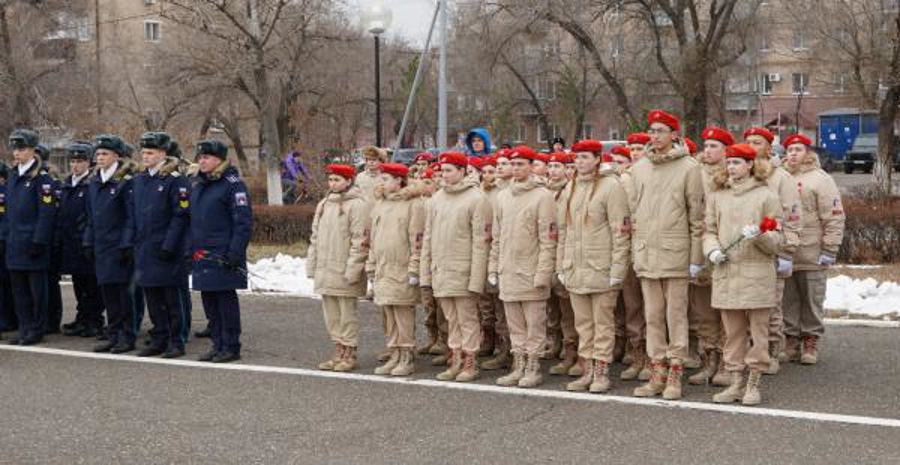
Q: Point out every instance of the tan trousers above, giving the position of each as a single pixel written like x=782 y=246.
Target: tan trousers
x=527 y=322
x=341 y=319
x=491 y=314
x=464 y=331
x=435 y=322
x=595 y=322
x=739 y=352
x=400 y=326
x=561 y=319
x=776 y=317
x=630 y=322
x=804 y=295
x=709 y=320
x=666 y=312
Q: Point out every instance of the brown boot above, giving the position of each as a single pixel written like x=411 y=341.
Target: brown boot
x=638 y=363
x=735 y=390
x=582 y=383
x=385 y=355
x=619 y=349
x=693 y=360
x=390 y=364
x=774 y=363
x=792 y=349
x=708 y=370
x=487 y=342
x=752 y=395
x=405 y=366
x=532 y=377
x=439 y=348
x=348 y=362
x=657 y=383
x=502 y=359
x=568 y=360
x=456 y=362
x=722 y=377
x=673 y=382
x=628 y=358
x=578 y=369
x=469 y=371
x=516 y=373
x=329 y=364
x=601 y=377
x=810 y=353
x=426 y=349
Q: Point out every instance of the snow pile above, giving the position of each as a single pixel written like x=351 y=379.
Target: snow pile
x=865 y=297
x=282 y=274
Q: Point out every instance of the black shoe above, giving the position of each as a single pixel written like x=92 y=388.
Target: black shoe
x=104 y=347
x=148 y=341
x=72 y=325
x=103 y=335
x=30 y=341
x=205 y=333
x=151 y=351
x=15 y=341
x=122 y=348
x=73 y=330
x=89 y=332
x=226 y=356
x=174 y=352
x=209 y=356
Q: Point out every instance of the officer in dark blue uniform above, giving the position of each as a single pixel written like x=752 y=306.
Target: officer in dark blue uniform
x=71 y=223
x=220 y=232
x=54 y=292
x=162 y=216
x=8 y=320
x=109 y=239
x=28 y=232
x=184 y=290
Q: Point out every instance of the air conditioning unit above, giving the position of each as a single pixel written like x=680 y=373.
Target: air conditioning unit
x=774 y=77
x=149 y=2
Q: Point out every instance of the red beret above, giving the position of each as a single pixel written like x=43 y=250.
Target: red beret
x=488 y=161
x=797 y=139
x=435 y=166
x=659 y=116
x=593 y=146
x=641 y=138
x=561 y=157
x=395 y=169
x=475 y=162
x=744 y=151
x=621 y=151
x=502 y=153
x=606 y=158
x=522 y=151
x=544 y=157
x=344 y=171
x=692 y=147
x=429 y=173
x=719 y=134
x=758 y=131
x=454 y=158
x=424 y=156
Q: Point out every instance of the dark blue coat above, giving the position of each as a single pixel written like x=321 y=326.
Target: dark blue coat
x=30 y=212
x=161 y=220
x=110 y=226
x=71 y=222
x=221 y=222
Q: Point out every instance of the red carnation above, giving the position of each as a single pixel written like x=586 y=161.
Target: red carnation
x=768 y=224
x=200 y=254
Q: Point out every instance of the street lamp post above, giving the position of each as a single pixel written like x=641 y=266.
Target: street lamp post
x=376 y=19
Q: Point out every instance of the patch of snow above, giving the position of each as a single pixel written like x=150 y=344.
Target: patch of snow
x=863 y=296
x=283 y=274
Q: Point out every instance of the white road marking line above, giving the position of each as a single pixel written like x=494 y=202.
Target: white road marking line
x=483 y=388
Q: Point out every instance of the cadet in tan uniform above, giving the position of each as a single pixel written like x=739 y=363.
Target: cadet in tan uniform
x=492 y=186
x=435 y=322
x=495 y=334
x=559 y=313
x=821 y=234
x=593 y=258
x=522 y=262
x=454 y=261
x=743 y=206
x=666 y=199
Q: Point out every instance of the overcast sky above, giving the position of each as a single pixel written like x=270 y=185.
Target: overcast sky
x=411 y=18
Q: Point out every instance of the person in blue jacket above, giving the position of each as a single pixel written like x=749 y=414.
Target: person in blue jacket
x=161 y=218
x=478 y=142
x=70 y=225
x=109 y=239
x=54 y=292
x=8 y=320
x=28 y=233
x=184 y=289
x=221 y=222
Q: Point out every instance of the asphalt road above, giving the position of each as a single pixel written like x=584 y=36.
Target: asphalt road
x=60 y=408
x=847 y=182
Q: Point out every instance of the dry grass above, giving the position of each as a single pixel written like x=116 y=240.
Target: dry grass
x=258 y=251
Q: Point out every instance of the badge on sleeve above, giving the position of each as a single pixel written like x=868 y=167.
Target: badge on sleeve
x=554 y=233
x=183 y=201
x=47 y=194
x=626 y=225
x=836 y=208
x=240 y=199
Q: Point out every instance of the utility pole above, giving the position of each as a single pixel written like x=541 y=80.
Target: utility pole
x=442 y=78
x=98 y=72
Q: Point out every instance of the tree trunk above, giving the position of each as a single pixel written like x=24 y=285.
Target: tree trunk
x=21 y=106
x=268 y=119
x=887 y=143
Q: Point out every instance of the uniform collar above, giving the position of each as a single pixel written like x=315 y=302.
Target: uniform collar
x=24 y=168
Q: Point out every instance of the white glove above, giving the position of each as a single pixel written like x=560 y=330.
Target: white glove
x=717 y=257
x=694 y=270
x=370 y=291
x=561 y=278
x=615 y=282
x=413 y=280
x=493 y=280
x=785 y=266
x=825 y=259
x=750 y=231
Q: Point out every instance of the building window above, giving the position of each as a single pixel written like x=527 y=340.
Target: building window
x=766 y=83
x=840 y=82
x=521 y=133
x=765 y=42
x=152 y=31
x=546 y=88
x=799 y=40
x=617 y=46
x=542 y=137
x=587 y=131
x=84 y=30
x=800 y=83
x=613 y=134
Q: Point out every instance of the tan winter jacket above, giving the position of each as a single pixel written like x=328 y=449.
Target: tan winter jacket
x=666 y=202
x=339 y=245
x=523 y=251
x=366 y=183
x=492 y=192
x=746 y=281
x=558 y=188
x=707 y=174
x=822 y=222
x=398 y=228
x=785 y=187
x=595 y=233
x=455 y=248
